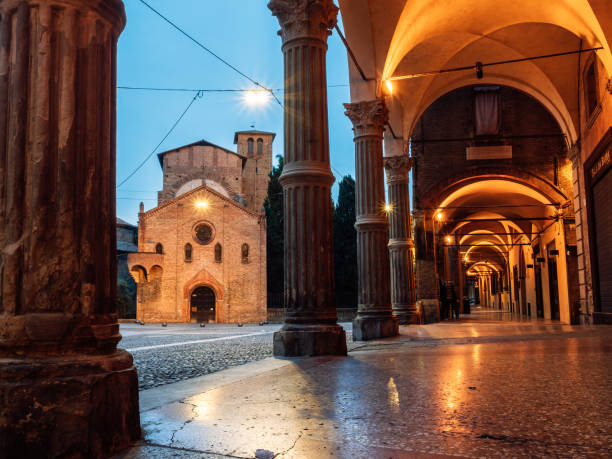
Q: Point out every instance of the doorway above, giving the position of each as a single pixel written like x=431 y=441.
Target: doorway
x=538 y=289
x=202 y=305
x=553 y=283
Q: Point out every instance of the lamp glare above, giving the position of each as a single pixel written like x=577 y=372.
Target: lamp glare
x=256 y=97
x=389 y=85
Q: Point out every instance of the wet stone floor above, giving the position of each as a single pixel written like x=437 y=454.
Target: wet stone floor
x=485 y=386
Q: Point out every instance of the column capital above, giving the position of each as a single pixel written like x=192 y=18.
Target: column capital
x=304 y=18
x=397 y=168
x=368 y=117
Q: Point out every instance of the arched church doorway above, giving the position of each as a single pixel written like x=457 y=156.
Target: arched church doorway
x=202 y=305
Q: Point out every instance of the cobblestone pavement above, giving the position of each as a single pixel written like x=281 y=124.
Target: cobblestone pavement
x=165 y=355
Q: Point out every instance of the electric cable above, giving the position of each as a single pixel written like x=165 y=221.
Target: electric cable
x=197 y=96
x=480 y=65
x=208 y=50
x=145 y=88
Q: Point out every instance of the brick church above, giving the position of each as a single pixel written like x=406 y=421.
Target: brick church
x=202 y=251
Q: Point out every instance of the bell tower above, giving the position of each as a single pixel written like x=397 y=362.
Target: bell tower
x=256 y=147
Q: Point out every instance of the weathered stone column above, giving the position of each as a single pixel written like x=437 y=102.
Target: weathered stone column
x=310 y=317
x=65 y=388
x=401 y=255
x=374 y=317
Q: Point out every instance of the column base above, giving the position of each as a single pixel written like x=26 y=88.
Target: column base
x=68 y=406
x=429 y=310
x=407 y=315
x=294 y=340
x=367 y=328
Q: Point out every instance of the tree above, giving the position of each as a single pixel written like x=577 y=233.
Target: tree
x=126 y=298
x=345 y=245
x=273 y=206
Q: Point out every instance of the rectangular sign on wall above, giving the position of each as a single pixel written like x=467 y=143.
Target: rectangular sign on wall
x=489 y=152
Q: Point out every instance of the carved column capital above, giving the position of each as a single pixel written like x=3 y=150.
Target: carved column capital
x=304 y=18
x=397 y=168
x=368 y=117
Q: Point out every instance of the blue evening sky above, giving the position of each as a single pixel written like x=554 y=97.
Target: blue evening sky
x=153 y=54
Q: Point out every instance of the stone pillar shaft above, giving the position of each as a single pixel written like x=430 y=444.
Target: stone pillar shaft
x=374 y=318
x=58 y=323
x=401 y=247
x=310 y=318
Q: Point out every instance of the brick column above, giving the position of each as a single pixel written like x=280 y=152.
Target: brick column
x=66 y=389
x=401 y=247
x=374 y=317
x=310 y=319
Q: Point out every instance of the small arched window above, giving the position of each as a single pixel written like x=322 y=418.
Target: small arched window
x=188 y=250
x=218 y=253
x=250 y=146
x=260 y=146
x=245 y=253
x=159 y=248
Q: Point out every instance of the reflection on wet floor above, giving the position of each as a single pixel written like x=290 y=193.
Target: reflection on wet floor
x=485 y=323
x=518 y=394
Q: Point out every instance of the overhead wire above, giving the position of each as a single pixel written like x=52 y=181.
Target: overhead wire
x=489 y=64
x=215 y=55
x=196 y=97
x=145 y=88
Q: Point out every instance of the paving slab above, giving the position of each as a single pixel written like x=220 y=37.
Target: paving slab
x=544 y=393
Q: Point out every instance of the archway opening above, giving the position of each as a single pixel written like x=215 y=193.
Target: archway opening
x=203 y=305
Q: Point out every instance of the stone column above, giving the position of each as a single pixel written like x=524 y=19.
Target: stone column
x=310 y=318
x=374 y=317
x=401 y=255
x=65 y=388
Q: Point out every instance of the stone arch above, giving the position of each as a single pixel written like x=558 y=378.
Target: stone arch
x=203 y=278
x=553 y=105
x=442 y=189
x=156 y=272
x=139 y=273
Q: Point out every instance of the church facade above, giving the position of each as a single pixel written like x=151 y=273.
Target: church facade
x=202 y=251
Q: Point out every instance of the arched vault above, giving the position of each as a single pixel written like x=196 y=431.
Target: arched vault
x=416 y=36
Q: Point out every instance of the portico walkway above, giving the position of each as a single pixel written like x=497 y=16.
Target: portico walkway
x=482 y=386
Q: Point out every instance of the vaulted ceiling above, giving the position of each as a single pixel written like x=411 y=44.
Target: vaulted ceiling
x=399 y=37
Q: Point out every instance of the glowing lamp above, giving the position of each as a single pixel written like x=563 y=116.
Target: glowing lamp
x=388 y=208
x=447 y=239
x=256 y=98
x=201 y=204
x=389 y=85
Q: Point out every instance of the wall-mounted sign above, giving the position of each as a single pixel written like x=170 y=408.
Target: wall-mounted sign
x=602 y=163
x=489 y=152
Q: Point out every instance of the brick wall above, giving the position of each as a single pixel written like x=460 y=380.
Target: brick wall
x=257 y=168
x=536 y=139
x=201 y=162
x=240 y=287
